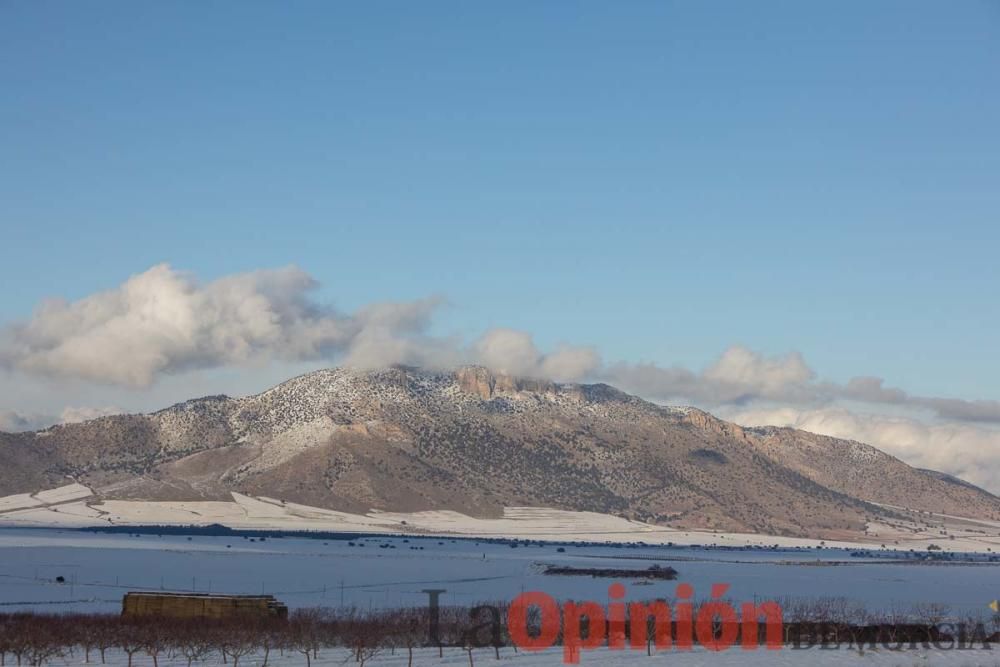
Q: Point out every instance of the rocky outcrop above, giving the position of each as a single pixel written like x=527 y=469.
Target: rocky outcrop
x=704 y=420
x=486 y=384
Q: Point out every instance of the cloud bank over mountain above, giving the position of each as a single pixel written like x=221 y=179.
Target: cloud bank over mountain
x=965 y=450
x=13 y=421
x=741 y=376
x=165 y=322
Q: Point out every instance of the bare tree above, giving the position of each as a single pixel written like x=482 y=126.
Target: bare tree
x=86 y=630
x=17 y=626
x=364 y=634
x=105 y=628
x=129 y=639
x=890 y=622
x=195 y=641
x=6 y=629
x=503 y=608
x=155 y=639
x=271 y=635
x=406 y=628
x=43 y=641
x=453 y=627
x=931 y=613
x=239 y=640
x=304 y=633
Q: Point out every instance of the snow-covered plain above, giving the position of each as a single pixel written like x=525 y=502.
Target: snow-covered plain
x=379 y=571
x=404 y=554
x=76 y=506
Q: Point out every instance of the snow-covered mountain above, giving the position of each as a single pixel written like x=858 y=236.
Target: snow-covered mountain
x=404 y=439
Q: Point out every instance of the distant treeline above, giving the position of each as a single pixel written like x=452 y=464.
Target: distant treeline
x=218 y=530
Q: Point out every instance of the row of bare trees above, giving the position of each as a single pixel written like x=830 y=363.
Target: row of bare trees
x=29 y=639
x=839 y=619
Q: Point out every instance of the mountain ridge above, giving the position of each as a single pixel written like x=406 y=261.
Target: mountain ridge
x=405 y=439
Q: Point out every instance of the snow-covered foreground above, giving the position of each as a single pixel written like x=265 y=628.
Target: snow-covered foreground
x=600 y=658
x=76 y=506
x=374 y=572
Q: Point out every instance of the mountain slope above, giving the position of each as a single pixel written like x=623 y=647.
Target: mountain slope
x=407 y=440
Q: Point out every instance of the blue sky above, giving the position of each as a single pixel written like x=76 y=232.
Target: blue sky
x=659 y=180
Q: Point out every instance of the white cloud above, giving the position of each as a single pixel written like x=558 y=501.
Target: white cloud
x=14 y=422
x=738 y=376
x=73 y=415
x=515 y=353
x=163 y=321
x=507 y=351
x=968 y=451
x=569 y=363
x=742 y=367
x=752 y=374
x=742 y=377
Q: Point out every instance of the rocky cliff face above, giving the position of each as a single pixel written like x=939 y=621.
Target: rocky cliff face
x=487 y=385
x=474 y=441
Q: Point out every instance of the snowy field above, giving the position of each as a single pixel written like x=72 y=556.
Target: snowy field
x=75 y=505
x=378 y=572
x=601 y=658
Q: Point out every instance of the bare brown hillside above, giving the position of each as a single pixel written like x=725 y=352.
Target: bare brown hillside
x=473 y=441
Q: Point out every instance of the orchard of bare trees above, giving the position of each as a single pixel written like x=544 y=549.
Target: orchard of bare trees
x=480 y=633
x=30 y=639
